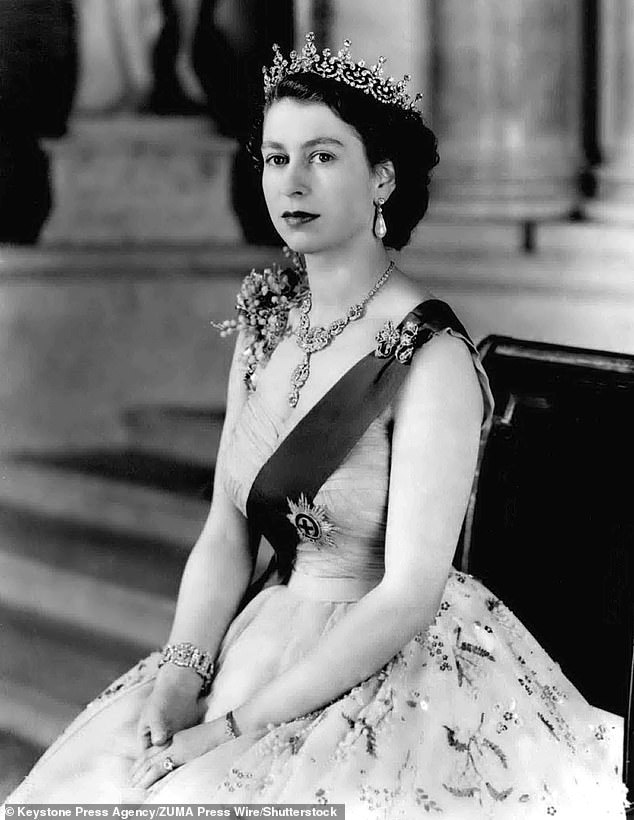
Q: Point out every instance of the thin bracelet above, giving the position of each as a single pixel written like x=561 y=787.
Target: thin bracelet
x=231 y=730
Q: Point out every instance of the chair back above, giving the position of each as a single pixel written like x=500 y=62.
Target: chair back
x=550 y=523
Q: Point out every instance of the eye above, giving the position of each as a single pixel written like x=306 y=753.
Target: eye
x=322 y=157
x=275 y=159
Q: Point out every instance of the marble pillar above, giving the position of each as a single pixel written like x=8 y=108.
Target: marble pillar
x=399 y=31
x=505 y=82
x=615 y=189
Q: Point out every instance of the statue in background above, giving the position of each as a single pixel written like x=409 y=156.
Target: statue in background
x=185 y=57
x=233 y=40
x=116 y=40
x=137 y=56
x=176 y=87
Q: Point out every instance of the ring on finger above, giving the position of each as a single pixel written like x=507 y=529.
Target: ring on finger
x=168 y=764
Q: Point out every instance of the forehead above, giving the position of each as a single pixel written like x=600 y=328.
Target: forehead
x=291 y=122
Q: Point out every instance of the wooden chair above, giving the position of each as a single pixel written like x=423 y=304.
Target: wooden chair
x=550 y=524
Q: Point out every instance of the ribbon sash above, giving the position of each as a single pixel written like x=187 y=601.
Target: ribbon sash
x=322 y=439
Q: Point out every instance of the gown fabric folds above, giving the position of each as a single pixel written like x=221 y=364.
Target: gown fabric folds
x=471 y=719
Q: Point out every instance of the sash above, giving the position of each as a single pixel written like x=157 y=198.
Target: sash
x=322 y=439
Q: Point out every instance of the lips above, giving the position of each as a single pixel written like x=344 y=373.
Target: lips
x=298 y=217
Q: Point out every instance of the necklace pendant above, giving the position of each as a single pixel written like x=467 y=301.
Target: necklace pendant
x=298 y=379
x=312 y=339
x=301 y=373
x=317 y=339
x=303 y=326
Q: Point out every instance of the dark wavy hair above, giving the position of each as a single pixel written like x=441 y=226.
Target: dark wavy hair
x=387 y=132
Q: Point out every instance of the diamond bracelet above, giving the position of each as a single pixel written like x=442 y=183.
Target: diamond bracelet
x=190 y=657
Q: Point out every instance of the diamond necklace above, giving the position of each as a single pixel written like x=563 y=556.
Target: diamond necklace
x=311 y=339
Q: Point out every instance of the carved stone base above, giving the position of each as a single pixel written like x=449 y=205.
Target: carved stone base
x=141 y=179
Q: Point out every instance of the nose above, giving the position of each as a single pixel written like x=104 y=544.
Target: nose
x=296 y=181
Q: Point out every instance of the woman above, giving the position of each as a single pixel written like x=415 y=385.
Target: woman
x=372 y=675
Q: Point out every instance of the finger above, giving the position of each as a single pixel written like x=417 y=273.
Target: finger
x=139 y=767
x=152 y=773
x=144 y=738
x=144 y=746
x=146 y=759
x=142 y=772
x=139 y=777
x=160 y=734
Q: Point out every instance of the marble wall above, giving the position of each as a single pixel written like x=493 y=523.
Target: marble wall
x=86 y=334
x=505 y=103
x=504 y=82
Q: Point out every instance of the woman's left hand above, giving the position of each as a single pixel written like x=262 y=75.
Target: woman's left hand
x=186 y=745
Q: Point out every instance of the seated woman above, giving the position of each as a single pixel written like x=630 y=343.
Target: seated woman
x=365 y=671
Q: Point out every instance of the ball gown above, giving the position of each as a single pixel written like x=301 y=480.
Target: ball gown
x=471 y=719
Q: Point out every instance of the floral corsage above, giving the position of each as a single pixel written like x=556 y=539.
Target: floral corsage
x=263 y=304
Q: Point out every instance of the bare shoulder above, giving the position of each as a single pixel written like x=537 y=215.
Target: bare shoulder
x=442 y=379
x=401 y=295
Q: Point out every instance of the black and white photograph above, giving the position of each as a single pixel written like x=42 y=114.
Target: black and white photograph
x=317 y=409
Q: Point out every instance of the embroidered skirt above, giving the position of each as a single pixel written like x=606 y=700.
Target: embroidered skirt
x=470 y=720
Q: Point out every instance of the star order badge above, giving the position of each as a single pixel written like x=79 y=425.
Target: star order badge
x=311 y=522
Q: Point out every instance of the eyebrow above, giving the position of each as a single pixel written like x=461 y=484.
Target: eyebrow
x=308 y=144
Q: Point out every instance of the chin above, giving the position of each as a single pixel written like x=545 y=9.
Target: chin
x=312 y=244
x=302 y=244
x=306 y=245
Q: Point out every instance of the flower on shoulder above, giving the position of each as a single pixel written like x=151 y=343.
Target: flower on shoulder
x=263 y=303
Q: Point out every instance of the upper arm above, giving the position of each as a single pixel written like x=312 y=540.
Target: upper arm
x=434 y=454
x=225 y=522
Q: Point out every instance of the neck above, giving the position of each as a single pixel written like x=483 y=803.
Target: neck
x=339 y=278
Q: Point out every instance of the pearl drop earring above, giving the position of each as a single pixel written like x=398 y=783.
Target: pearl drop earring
x=380 y=228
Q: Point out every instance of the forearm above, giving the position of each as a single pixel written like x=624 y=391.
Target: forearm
x=369 y=635
x=216 y=577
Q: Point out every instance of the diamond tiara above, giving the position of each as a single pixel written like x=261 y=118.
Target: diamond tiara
x=342 y=68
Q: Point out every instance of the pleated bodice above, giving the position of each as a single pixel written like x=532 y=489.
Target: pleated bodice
x=354 y=497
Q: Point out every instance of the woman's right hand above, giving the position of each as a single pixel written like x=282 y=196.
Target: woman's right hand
x=173 y=705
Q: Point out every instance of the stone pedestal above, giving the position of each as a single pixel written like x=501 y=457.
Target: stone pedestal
x=140 y=180
x=506 y=107
x=615 y=190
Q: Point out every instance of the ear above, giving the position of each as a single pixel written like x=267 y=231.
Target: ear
x=384 y=179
